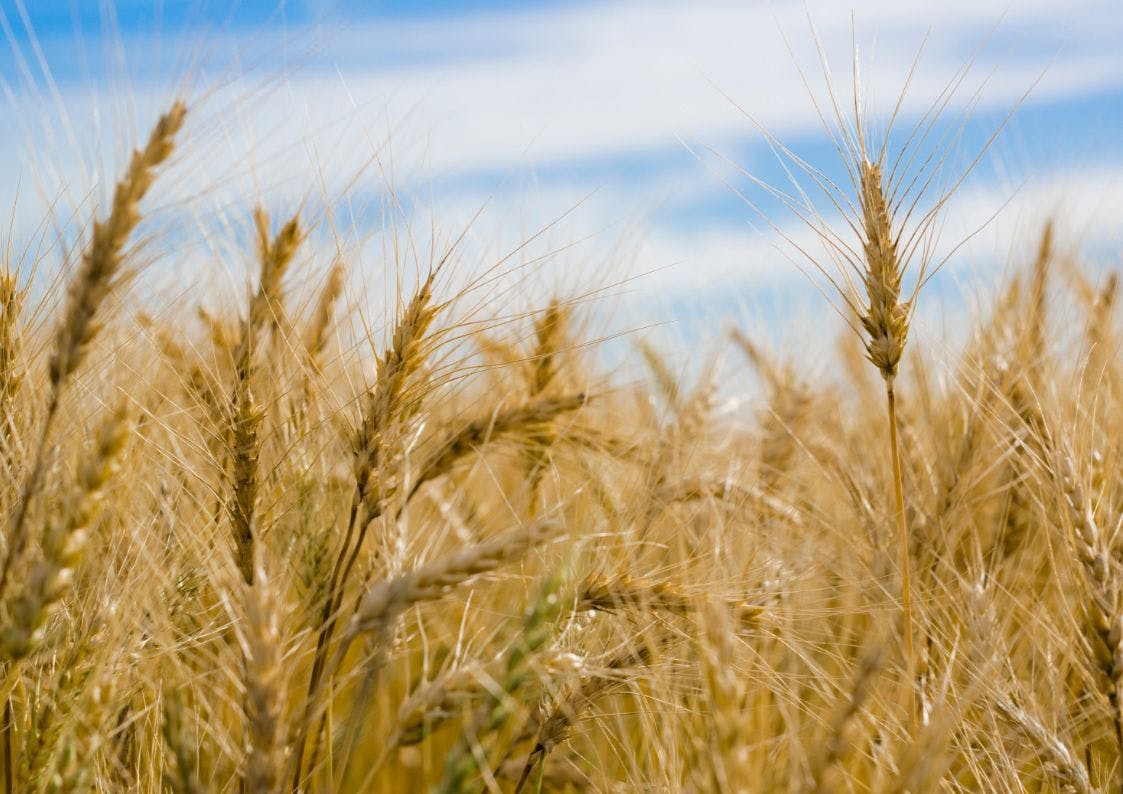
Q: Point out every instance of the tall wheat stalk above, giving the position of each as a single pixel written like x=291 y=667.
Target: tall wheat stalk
x=886 y=323
x=884 y=234
x=98 y=273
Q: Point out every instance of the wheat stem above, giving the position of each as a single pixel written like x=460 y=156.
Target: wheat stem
x=903 y=541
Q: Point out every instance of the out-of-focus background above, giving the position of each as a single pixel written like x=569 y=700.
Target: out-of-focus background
x=614 y=136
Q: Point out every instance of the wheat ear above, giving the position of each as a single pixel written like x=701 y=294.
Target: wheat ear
x=549 y=334
x=386 y=600
x=245 y=450
x=316 y=339
x=266 y=306
x=63 y=545
x=180 y=778
x=101 y=263
x=275 y=255
x=246 y=415
x=97 y=275
x=552 y=727
x=11 y=301
x=474 y=434
x=838 y=741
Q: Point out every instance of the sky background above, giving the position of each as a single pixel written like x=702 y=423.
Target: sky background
x=615 y=137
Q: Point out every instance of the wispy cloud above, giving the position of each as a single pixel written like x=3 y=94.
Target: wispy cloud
x=540 y=107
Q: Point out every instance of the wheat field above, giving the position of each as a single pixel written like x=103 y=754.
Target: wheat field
x=302 y=543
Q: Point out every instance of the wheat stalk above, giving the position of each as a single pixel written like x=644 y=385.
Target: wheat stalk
x=386 y=407
x=261 y=648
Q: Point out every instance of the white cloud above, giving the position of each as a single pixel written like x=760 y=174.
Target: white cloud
x=521 y=93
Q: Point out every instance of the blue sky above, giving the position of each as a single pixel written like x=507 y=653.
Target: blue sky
x=630 y=111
